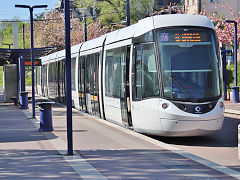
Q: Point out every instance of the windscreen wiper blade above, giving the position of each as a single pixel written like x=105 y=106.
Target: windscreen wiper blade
x=192 y=99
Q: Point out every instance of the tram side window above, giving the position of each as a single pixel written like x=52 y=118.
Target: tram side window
x=44 y=75
x=138 y=76
x=146 y=77
x=73 y=67
x=81 y=73
x=116 y=73
x=38 y=75
x=112 y=72
x=109 y=74
x=88 y=74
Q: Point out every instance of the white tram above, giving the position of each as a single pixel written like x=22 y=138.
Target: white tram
x=160 y=76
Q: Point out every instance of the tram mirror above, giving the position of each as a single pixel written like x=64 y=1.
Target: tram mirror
x=151 y=64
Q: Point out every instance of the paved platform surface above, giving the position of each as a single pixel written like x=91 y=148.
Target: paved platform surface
x=232 y=108
x=102 y=150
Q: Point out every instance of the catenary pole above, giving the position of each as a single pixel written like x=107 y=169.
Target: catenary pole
x=85 y=27
x=127 y=12
x=32 y=61
x=235 y=89
x=68 y=76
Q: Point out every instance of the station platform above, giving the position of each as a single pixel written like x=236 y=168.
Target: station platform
x=232 y=108
x=102 y=150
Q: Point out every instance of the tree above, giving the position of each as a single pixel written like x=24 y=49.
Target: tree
x=112 y=12
x=50 y=31
x=141 y=9
x=6 y=34
x=225 y=31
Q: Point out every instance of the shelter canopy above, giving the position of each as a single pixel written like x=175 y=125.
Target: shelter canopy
x=10 y=56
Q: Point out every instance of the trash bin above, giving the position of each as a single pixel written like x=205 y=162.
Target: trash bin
x=23 y=99
x=235 y=94
x=45 y=115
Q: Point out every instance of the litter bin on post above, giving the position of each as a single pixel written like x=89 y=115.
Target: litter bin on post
x=23 y=99
x=45 y=115
x=235 y=94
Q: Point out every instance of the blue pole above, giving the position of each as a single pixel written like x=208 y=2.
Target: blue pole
x=68 y=77
x=32 y=62
x=128 y=13
x=224 y=72
x=235 y=51
x=22 y=72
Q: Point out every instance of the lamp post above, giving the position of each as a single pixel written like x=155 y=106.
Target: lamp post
x=235 y=90
x=32 y=48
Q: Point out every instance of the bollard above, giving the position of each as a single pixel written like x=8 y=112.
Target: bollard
x=45 y=116
x=235 y=94
x=239 y=142
x=23 y=99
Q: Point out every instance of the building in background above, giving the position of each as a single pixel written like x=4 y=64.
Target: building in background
x=165 y=3
x=213 y=7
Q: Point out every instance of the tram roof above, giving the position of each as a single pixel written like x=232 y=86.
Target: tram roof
x=159 y=21
x=93 y=43
x=143 y=26
x=171 y=20
x=121 y=34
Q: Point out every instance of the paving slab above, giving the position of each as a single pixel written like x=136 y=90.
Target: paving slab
x=26 y=153
x=102 y=150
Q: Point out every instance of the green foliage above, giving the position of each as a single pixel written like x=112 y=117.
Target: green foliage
x=231 y=75
x=140 y=9
x=6 y=36
x=113 y=11
x=28 y=77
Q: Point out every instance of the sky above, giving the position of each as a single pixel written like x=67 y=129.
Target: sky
x=9 y=12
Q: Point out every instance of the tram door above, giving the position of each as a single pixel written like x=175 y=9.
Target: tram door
x=124 y=87
x=92 y=84
x=81 y=84
x=61 y=81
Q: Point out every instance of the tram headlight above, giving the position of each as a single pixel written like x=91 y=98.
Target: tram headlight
x=210 y=106
x=182 y=107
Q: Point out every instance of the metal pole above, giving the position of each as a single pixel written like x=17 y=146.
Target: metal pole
x=235 y=51
x=22 y=72
x=23 y=34
x=32 y=62
x=224 y=71
x=85 y=27
x=127 y=13
x=68 y=77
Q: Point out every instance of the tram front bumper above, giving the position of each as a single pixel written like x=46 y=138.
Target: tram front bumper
x=173 y=127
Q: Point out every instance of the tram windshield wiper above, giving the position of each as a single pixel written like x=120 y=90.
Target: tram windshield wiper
x=192 y=99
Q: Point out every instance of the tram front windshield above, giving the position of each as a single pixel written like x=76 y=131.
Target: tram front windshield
x=189 y=64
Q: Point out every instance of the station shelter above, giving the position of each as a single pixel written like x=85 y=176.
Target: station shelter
x=14 y=62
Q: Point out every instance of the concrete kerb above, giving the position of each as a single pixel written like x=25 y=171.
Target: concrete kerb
x=79 y=164
x=231 y=111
